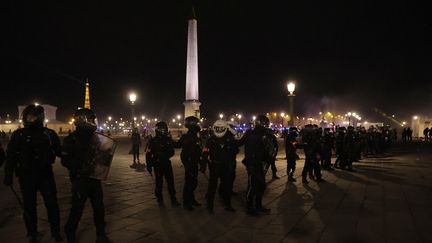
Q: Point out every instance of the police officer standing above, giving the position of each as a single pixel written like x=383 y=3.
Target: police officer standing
x=272 y=158
x=311 y=147
x=136 y=143
x=30 y=154
x=160 y=150
x=78 y=157
x=220 y=153
x=291 y=146
x=190 y=156
x=327 y=143
x=257 y=152
x=349 y=149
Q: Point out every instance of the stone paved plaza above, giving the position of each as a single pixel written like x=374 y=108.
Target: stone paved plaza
x=387 y=199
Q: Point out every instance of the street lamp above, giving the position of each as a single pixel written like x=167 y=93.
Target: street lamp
x=291 y=89
x=221 y=115
x=132 y=99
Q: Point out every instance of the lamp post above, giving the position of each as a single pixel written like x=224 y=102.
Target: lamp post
x=132 y=99
x=291 y=89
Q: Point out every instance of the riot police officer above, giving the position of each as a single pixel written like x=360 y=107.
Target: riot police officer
x=190 y=156
x=272 y=158
x=340 y=148
x=160 y=150
x=30 y=154
x=311 y=148
x=136 y=143
x=220 y=154
x=78 y=157
x=258 y=149
x=349 y=149
x=291 y=146
x=327 y=143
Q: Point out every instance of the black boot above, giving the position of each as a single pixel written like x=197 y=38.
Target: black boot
x=263 y=209
x=275 y=177
x=210 y=208
x=252 y=212
x=103 y=239
x=174 y=202
x=229 y=208
x=196 y=203
x=160 y=201
x=57 y=236
x=70 y=236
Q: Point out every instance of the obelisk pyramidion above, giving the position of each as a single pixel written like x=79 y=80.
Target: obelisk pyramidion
x=192 y=103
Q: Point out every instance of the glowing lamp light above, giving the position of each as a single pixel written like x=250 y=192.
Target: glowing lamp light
x=282 y=114
x=415 y=117
x=109 y=118
x=221 y=116
x=132 y=97
x=291 y=87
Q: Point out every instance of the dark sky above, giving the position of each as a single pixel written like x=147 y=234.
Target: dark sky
x=344 y=55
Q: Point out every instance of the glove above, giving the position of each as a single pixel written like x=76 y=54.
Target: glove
x=8 y=181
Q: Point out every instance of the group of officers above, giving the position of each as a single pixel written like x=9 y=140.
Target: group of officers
x=33 y=149
x=217 y=153
x=30 y=154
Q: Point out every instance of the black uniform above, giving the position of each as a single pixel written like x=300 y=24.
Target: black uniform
x=340 y=151
x=160 y=150
x=349 y=149
x=257 y=154
x=327 y=143
x=30 y=154
x=311 y=149
x=136 y=143
x=291 y=146
x=221 y=156
x=272 y=159
x=79 y=154
x=190 y=156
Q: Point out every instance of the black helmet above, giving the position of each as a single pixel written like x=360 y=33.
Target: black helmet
x=161 y=129
x=85 y=119
x=262 y=121
x=192 y=123
x=33 y=115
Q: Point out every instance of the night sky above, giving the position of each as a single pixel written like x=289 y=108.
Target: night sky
x=349 y=55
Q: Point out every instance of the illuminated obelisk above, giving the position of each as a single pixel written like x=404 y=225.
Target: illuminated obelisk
x=87 y=95
x=192 y=103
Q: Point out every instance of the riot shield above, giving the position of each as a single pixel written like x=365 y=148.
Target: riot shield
x=103 y=147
